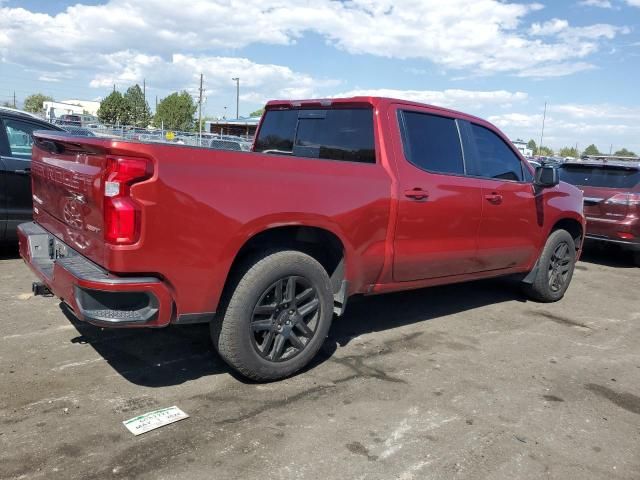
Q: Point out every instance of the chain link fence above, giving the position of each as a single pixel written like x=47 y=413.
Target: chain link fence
x=160 y=135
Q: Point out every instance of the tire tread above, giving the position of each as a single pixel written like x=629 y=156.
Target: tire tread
x=225 y=327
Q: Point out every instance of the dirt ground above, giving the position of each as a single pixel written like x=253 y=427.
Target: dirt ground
x=468 y=381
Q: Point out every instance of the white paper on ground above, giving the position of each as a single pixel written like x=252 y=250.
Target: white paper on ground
x=156 y=419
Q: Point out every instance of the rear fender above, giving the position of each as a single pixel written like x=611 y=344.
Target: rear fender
x=249 y=230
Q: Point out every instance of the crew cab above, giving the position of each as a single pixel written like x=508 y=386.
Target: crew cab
x=339 y=197
x=611 y=199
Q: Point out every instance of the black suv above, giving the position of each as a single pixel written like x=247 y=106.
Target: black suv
x=16 y=128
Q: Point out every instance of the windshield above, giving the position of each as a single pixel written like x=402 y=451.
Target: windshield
x=606 y=176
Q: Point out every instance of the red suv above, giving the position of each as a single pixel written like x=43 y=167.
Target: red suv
x=611 y=199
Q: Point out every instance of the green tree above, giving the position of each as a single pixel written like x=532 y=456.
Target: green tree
x=176 y=112
x=545 y=151
x=33 y=103
x=205 y=119
x=257 y=113
x=113 y=109
x=569 y=152
x=137 y=106
x=591 y=150
x=625 y=153
x=532 y=145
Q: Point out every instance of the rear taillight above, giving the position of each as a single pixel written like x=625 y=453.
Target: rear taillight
x=121 y=212
x=630 y=199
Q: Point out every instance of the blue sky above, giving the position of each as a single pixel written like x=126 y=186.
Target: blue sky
x=497 y=59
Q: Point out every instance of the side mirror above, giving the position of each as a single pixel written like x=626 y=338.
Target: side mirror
x=547 y=176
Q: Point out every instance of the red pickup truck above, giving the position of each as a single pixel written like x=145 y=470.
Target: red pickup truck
x=338 y=197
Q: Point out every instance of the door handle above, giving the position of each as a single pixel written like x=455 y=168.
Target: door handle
x=24 y=171
x=494 y=198
x=416 y=194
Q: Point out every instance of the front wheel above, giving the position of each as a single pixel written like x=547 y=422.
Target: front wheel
x=277 y=317
x=555 y=268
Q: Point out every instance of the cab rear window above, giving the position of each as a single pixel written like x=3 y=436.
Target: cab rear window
x=332 y=134
x=608 y=176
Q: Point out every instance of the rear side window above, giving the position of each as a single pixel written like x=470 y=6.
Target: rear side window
x=331 y=134
x=20 y=136
x=277 y=132
x=596 y=176
x=494 y=159
x=432 y=143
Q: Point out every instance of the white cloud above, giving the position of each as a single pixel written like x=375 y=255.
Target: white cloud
x=467 y=100
x=634 y=3
x=568 y=124
x=259 y=82
x=484 y=36
x=551 y=27
x=557 y=70
x=595 y=112
x=596 y=3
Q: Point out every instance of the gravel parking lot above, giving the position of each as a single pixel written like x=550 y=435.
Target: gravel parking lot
x=464 y=381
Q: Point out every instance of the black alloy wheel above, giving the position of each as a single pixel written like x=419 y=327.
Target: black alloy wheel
x=554 y=268
x=559 y=266
x=275 y=315
x=285 y=318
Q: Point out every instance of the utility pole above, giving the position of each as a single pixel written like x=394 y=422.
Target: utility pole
x=14 y=99
x=611 y=149
x=544 y=117
x=114 y=88
x=200 y=112
x=144 y=95
x=237 y=80
x=156 y=104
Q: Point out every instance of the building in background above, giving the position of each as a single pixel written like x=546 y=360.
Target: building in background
x=522 y=147
x=53 y=109
x=89 y=106
x=240 y=127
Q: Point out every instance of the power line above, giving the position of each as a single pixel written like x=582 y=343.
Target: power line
x=200 y=110
x=237 y=80
x=544 y=117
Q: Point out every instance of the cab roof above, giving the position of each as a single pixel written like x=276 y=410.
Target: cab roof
x=376 y=102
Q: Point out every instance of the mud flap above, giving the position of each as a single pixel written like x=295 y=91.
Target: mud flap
x=340 y=299
x=531 y=276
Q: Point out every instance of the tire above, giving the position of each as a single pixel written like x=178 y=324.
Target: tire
x=555 y=268
x=636 y=258
x=256 y=321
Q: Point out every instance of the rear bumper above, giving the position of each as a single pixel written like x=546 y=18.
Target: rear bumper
x=95 y=295
x=635 y=246
x=624 y=232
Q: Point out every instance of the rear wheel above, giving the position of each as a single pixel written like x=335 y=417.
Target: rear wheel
x=555 y=268
x=636 y=258
x=277 y=317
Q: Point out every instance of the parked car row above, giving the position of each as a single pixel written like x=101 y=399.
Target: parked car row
x=611 y=200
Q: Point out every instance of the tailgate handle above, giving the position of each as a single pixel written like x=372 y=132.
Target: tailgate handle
x=416 y=194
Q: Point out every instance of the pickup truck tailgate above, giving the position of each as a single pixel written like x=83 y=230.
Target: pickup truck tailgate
x=68 y=190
